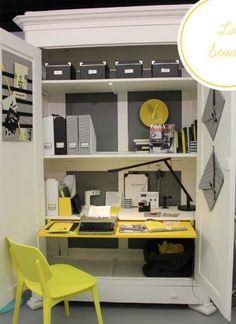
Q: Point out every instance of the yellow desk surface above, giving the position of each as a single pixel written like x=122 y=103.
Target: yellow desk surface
x=189 y=233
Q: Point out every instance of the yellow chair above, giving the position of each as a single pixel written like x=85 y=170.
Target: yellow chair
x=55 y=283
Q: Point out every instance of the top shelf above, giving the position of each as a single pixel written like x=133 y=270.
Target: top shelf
x=117 y=85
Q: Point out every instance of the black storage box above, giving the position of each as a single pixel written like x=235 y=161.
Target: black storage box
x=165 y=69
x=129 y=69
x=94 y=70
x=60 y=71
x=168 y=264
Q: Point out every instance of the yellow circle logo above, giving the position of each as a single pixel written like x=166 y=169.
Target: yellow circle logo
x=207 y=43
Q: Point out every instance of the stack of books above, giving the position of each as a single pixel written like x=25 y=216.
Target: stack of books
x=162 y=138
x=142 y=145
x=186 y=139
x=166 y=139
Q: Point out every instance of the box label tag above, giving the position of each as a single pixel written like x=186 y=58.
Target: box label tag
x=85 y=144
x=47 y=145
x=60 y=145
x=92 y=72
x=57 y=72
x=165 y=70
x=129 y=71
x=51 y=206
x=72 y=145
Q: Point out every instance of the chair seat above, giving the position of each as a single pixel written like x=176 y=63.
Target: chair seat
x=66 y=280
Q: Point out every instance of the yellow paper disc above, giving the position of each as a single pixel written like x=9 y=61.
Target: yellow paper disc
x=153 y=111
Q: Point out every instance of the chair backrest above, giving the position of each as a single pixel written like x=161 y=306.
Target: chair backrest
x=26 y=258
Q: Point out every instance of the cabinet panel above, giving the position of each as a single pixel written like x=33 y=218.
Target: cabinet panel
x=21 y=163
x=214 y=257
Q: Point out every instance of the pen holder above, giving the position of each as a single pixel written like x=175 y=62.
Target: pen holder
x=65 y=206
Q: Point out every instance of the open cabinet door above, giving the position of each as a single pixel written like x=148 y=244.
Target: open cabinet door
x=215 y=225
x=21 y=158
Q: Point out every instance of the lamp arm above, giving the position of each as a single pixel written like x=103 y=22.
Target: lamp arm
x=138 y=165
x=179 y=182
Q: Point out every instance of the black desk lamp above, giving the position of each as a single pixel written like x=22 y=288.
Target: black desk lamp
x=188 y=206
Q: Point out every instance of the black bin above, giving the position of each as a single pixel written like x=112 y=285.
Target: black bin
x=168 y=264
x=60 y=71
x=94 y=70
x=129 y=69
x=165 y=69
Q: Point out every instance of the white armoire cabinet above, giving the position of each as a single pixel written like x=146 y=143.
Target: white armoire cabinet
x=148 y=32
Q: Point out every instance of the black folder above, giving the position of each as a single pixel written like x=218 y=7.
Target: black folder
x=60 y=135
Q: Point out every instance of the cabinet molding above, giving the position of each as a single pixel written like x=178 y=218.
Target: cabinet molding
x=103 y=26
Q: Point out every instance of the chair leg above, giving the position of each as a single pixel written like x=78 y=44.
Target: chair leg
x=67 y=309
x=46 y=312
x=97 y=305
x=19 y=292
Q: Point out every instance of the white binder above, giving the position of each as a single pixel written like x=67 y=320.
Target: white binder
x=48 y=136
x=52 y=196
x=72 y=134
x=87 y=136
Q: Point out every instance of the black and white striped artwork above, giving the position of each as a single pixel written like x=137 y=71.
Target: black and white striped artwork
x=17 y=98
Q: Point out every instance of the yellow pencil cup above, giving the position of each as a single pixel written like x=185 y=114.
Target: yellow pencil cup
x=65 y=206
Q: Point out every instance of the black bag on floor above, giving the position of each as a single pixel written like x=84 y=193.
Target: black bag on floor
x=168 y=264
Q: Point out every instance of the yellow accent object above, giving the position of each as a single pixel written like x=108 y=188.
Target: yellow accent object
x=183 y=141
x=165 y=248
x=10 y=93
x=153 y=225
x=64 y=206
x=194 y=133
x=55 y=283
x=60 y=227
x=6 y=80
x=158 y=226
x=153 y=111
x=115 y=211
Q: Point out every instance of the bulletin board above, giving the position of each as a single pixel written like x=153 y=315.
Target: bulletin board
x=17 y=95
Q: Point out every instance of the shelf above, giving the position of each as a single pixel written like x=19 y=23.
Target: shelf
x=123 y=268
x=132 y=214
x=52 y=87
x=62 y=218
x=114 y=160
x=111 y=268
x=123 y=155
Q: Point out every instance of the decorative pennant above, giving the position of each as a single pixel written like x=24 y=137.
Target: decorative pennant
x=213 y=110
x=212 y=181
